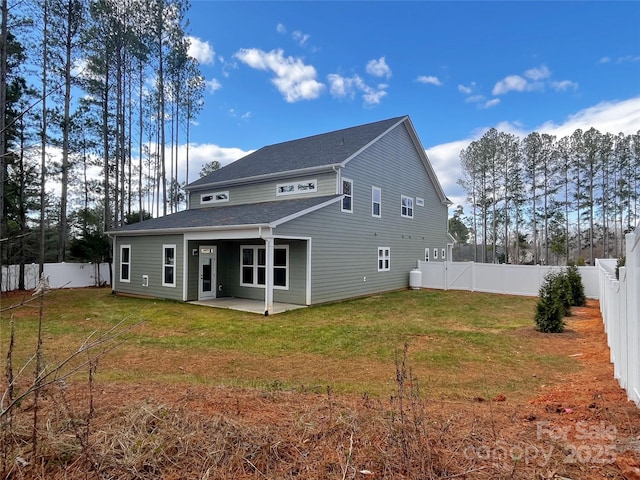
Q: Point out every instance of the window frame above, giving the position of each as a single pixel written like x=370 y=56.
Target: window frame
x=406 y=211
x=426 y=254
x=214 y=197
x=384 y=259
x=298 y=187
x=127 y=263
x=435 y=253
x=375 y=190
x=349 y=196
x=443 y=254
x=255 y=265
x=171 y=265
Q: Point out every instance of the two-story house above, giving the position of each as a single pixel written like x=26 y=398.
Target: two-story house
x=332 y=216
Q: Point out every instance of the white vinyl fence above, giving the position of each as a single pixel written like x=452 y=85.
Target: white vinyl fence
x=60 y=275
x=522 y=280
x=620 y=307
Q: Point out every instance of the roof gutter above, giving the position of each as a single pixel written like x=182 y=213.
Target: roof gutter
x=169 y=231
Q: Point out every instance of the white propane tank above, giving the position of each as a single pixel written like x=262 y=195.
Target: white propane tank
x=415 y=279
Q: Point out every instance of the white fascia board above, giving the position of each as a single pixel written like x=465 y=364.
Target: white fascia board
x=229 y=234
x=301 y=213
x=186 y=231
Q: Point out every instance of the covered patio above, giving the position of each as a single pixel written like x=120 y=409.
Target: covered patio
x=246 y=305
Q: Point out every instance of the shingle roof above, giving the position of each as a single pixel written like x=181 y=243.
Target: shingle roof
x=325 y=149
x=262 y=213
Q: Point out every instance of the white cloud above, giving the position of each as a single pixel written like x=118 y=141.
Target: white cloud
x=200 y=154
x=347 y=87
x=510 y=83
x=474 y=99
x=466 y=89
x=491 y=103
x=213 y=85
x=201 y=51
x=619 y=60
x=538 y=73
x=536 y=79
x=429 y=80
x=564 y=85
x=280 y=28
x=295 y=80
x=628 y=59
x=300 y=37
x=613 y=117
x=378 y=68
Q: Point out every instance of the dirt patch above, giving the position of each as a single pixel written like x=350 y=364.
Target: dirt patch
x=580 y=427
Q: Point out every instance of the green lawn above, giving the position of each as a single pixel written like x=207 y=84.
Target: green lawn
x=460 y=344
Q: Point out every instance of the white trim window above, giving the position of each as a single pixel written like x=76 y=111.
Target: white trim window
x=293 y=188
x=443 y=254
x=384 y=259
x=376 y=202
x=125 y=263
x=168 y=265
x=347 y=191
x=214 y=197
x=253 y=266
x=281 y=267
x=406 y=206
x=426 y=254
x=435 y=253
x=419 y=202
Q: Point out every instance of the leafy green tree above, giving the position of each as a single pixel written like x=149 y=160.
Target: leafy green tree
x=578 y=297
x=552 y=303
x=209 y=167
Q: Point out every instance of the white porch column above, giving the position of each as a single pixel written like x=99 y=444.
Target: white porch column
x=268 y=287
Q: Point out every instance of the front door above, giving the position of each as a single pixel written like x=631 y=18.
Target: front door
x=207 y=273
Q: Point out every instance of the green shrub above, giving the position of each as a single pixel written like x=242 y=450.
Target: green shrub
x=553 y=303
x=578 y=298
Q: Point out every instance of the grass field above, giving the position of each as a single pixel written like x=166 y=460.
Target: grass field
x=460 y=344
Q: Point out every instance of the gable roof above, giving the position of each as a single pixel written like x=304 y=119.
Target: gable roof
x=305 y=154
x=268 y=214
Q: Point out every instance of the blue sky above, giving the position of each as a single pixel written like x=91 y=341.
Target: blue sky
x=277 y=71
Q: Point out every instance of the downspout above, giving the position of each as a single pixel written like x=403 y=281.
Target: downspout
x=113 y=256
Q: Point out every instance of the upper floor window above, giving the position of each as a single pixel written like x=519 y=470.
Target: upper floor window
x=292 y=188
x=419 y=202
x=347 y=191
x=125 y=263
x=407 y=207
x=376 y=202
x=168 y=265
x=214 y=197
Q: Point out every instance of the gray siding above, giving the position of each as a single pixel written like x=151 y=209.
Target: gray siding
x=345 y=245
x=146 y=259
x=263 y=192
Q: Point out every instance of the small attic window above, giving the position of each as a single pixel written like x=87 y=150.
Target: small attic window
x=214 y=197
x=294 y=188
